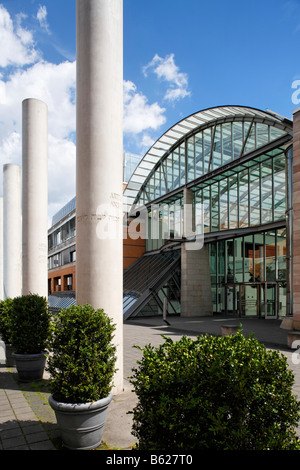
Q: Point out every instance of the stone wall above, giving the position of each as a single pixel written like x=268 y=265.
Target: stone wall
x=296 y=219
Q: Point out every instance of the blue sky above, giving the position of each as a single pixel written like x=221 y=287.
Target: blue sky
x=180 y=56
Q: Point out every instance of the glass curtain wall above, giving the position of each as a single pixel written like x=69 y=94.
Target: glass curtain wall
x=249 y=261
x=165 y=222
x=205 y=151
x=251 y=197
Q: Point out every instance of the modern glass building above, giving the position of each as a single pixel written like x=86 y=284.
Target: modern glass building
x=233 y=164
x=230 y=170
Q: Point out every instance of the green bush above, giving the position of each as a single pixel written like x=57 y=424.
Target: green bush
x=5 y=320
x=82 y=356
x=30 y=324
x=222 y=393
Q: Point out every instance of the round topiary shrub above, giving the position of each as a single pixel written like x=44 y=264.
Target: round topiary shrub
x=222 y=393
x=82 y=355
x=30 y=324
x=5 y=320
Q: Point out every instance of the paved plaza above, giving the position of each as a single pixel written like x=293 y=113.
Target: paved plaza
x=28 y=422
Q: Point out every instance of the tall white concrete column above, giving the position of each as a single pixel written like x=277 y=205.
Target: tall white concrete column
x=12 y=225
x=99 y=143
x=1 y=249
x=35 y=197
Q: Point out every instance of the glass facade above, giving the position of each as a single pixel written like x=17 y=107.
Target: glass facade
x=237 y=174
x=245 y=197
x=204 y=152
x=248 y=274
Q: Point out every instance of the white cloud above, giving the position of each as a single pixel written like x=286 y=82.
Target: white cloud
x=166 y=70
x=61 y=172
x=42 y=17
x=55 y=85
x=24 y=74
x=17 y=44
x=147 y=141
x=139 y=115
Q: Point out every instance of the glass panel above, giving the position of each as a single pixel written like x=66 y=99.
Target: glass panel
x=206 y=208
x=230 y=260
x=254 y=188
x=226 y=143
x=171 y=220
x=282 y=299
x=266 y=191
x=150 y=188
x=223 y=198
x=276 y=133
x=237 y=138
x=246 y=129
x=230 y=298
x=165 y=222
x=233 y=202
x=279 y=187
x=270 y=242
x=157 y=183
x=262 y=134
x=199 y=215
x=177 y=219
x=243 y=199
x=281 y=255
x=182 y=164
x=249 y=299
x=248 y=259
x=217 y=148
x=214 y=207
x=169 y=172
x=206 y=148
x=149 y=239
x=250 y=143
x=221 y=262
x=270 y=300
x=238 y=262
x=191 y=159
x=176 y=169
x=259 y=257
x=198 y=155
x=162 y=182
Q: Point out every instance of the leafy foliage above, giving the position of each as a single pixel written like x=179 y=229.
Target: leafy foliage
x=82 y=356
x=222 y=393
x=30 y=324
x=5 y=320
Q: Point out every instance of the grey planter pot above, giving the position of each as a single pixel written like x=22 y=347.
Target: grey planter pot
x=81 y=425
x=30 y=367
x=9 y=358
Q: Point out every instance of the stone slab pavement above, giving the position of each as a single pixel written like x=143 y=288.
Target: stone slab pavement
x=27 y=422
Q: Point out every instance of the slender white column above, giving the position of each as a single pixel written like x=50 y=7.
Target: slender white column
x=1 y=249
x=12 y=231
x=35 y=197
x=99 y=143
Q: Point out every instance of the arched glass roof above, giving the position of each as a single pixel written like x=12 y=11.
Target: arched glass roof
x=189 y=126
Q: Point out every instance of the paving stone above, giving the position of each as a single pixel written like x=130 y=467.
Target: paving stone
x=33 y=428
x=37 y=437
x=45 y=445
x=13 y=432
x=13 y=442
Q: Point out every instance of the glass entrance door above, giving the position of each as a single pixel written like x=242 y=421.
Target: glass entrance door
x=271 y=301
x=249 y=300
x=258 y=300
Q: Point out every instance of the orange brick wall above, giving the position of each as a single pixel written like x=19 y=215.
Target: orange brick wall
x=132 y=250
